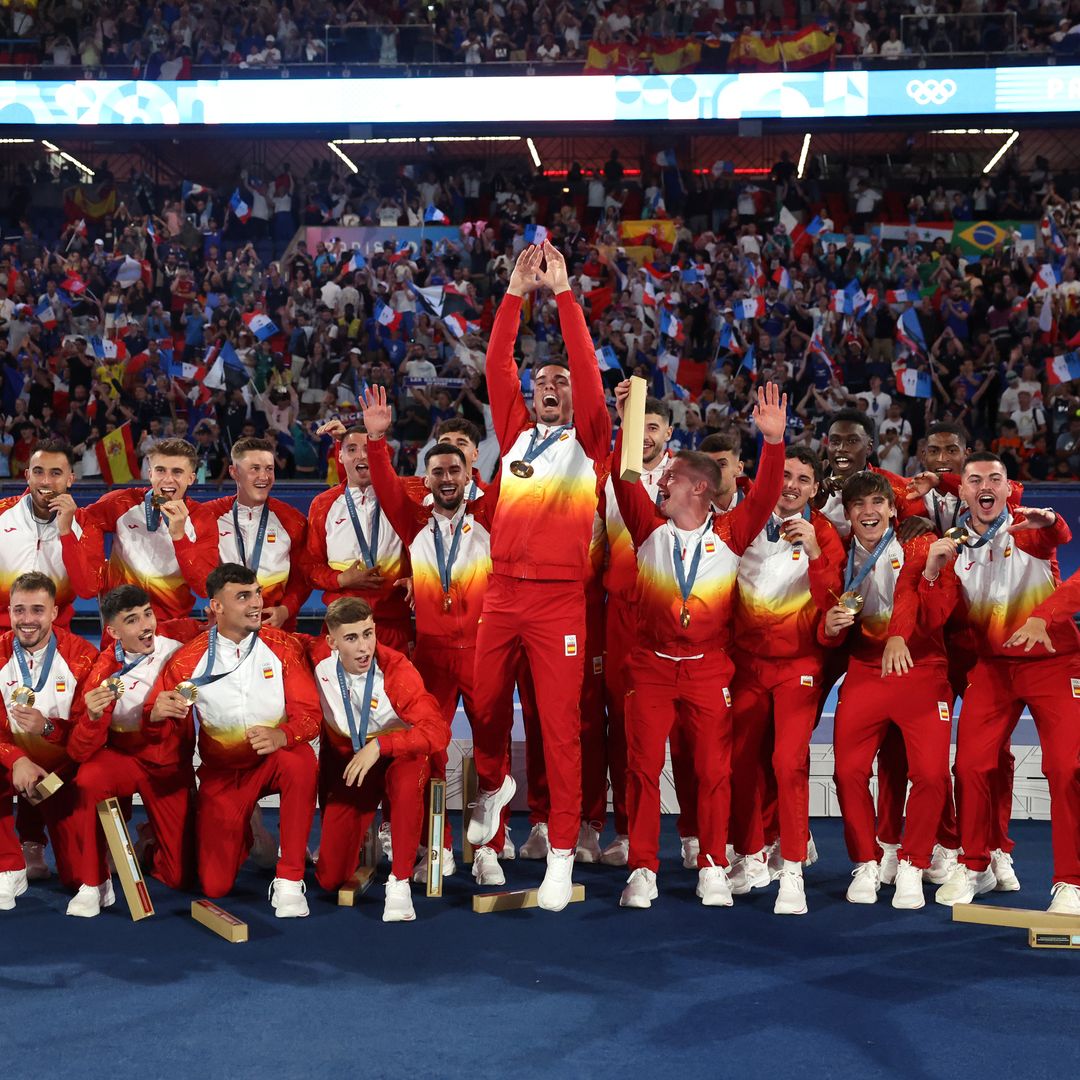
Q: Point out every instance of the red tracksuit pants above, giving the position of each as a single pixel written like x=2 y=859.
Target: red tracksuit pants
x=348 y=813
x=620 y=639
x=448 y=675
x=593 y=756
x=225 y=803
x=996 y=694
x=58 y=814
x=547 y=619
x=775 y=703
x=918 y=704
x=169 y=797
x=695 y=693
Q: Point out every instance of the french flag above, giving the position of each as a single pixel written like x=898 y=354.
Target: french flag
x=535 y=234
x=916 y=384
x=648 y=296
x=655 y=273
x=1063 y=369
x=1057 y=241
x=262 y=326
x=1047 y=277
x=387 y=316
x=753 y=308
x=815 y=226
x=670 y=326
x=728 y=340
x=901 y=296
x=749 y=361
x=782 y=279
x=459 y=326
x=357 y=262
x=239 y=208
x=187 y=189
x=45 y=315
x=434 y=216
x=606 y=358
x=73 y=284
x=909 y=332
x=403 y=250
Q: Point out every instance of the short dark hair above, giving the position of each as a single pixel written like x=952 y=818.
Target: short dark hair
x=853 y=416
x=947 y=427
x=346 y=610
x=721 y=442
x=978 y=457
x=807 y=457
x=657 y=407
x=176 y=448
x=458 y=425
x=439 y=449
x=54 y=446
x=122 y=598
x=558 y=362
x=357 y=429
x=229 y=573
x=33 y=581
x=702 y=466
x=867 y=483
x=250 y=445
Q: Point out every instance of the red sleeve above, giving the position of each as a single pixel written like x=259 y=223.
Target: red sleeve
x=592 y=421
x=180 y=666
x=638 y=510
x=405 y=516
x=87 y=735
x=508 y=412
x=9 y=752
x=199 y=556
x=303 y=709
x=750 y=516
x=84 y=557
x=1043 y=543
x=827 y=570
x=920 y=609
x=1062 y=603
x=182 y=630
x=428 y=733
x=297 y=588
x=318 y=572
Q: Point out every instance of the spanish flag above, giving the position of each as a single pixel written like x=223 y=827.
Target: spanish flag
x=749 y=50
x=672 y=57
x=658 y=231
x=117 y=458
x=602 y=59
x=807 y=49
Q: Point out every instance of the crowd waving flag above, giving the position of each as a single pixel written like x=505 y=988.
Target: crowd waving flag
x=116 y=456
x=261 y=325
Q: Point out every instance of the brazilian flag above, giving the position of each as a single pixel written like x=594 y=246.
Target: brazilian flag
x=978 y=237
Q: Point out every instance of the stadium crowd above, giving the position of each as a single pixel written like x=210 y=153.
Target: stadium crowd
x=728 y=280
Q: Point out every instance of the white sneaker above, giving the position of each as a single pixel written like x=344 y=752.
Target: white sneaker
x=558 y=884
x=588 y=845
x=1066 y=898
x=86 y=903
x=691 y=848
x=640 y=889
x=287 y=898
x=617 y=853
x=864 y=884
x=12 y=884
x=485 y=868
x=942 y=863
x=909 y=890
x=774 y=860
x=713 y=886
x=34 y=857
x=1004 y=874
x=811 y=852
x=509 y=852
x=889 y=863
x=749 y=872
x=963 y=885
x=537 y=846
x=484 y=820
x=397 y=907
x=264 y=848
x=791 y=899
x=419 y=875
x=385 y=842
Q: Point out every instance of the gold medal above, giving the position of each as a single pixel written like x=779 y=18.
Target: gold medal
x=852 y=601
x=447 y=602
x=23 y=695
x=684 y=618
x=958 y=535
x=521 y=469
x=188 y=691
x=158 y=501
x=116 y=685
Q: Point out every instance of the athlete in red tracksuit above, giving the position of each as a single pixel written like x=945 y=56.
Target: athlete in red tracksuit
x=380 y=729
x=109 y=742
x=787 y=577
x=1004 y=572
x=258 y=711
x=896 y=674
x=352 y=550
x=540 y=543
x=687 y=563
x=254 y=529
x=144 y=535
x=53 y=663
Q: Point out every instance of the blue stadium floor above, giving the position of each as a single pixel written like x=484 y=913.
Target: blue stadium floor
x=680 y=990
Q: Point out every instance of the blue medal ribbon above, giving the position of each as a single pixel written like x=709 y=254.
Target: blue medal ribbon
x=445 y=561
x=358 y=737
x=368 y=553
x=125 y=668
x=153 y=514
x=772 y=529
x=24 y=665
x=686 y=580
x=991 y=532
x=535 y=450
x=852 y=581
x=211 y=655
x=260 y=536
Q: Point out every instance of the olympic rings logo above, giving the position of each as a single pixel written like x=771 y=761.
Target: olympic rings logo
x=931 y=91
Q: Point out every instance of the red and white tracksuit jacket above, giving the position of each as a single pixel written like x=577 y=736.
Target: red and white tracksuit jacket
x=140 y=556
x=541 y=537
x=280 y=570
x=26 y=544
x=271 y=686
x=685 y=671
x=410 y=729
x=109 y=751
x=1001 y=584
x=56 y=701
x=780 y=598
x=918 y=703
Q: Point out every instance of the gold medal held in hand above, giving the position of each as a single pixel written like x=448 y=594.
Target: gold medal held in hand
x=684 y=618
x=521 y=469
x=116 y=685
x=158 y=501
x=23 y=695
x=447 y=602
x=188 y=691
x=958 y=535
x=851 y=601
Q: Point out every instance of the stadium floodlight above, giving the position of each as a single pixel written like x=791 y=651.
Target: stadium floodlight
x=52 y=148
x=1002 y=151
x=803 y=155
x=532 y=150
x=344 y=157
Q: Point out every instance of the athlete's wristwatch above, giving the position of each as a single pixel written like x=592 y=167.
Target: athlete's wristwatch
x=49 y=728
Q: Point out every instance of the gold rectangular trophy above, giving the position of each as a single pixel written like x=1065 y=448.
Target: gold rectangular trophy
x=633 y=431
x=1041 y=938
x=436 y=825
x=46 y=786
x=1024 y=918
x=219 y=920
x=123 y=855
x=356 y=886
x=485 y=903
x=468 y=795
